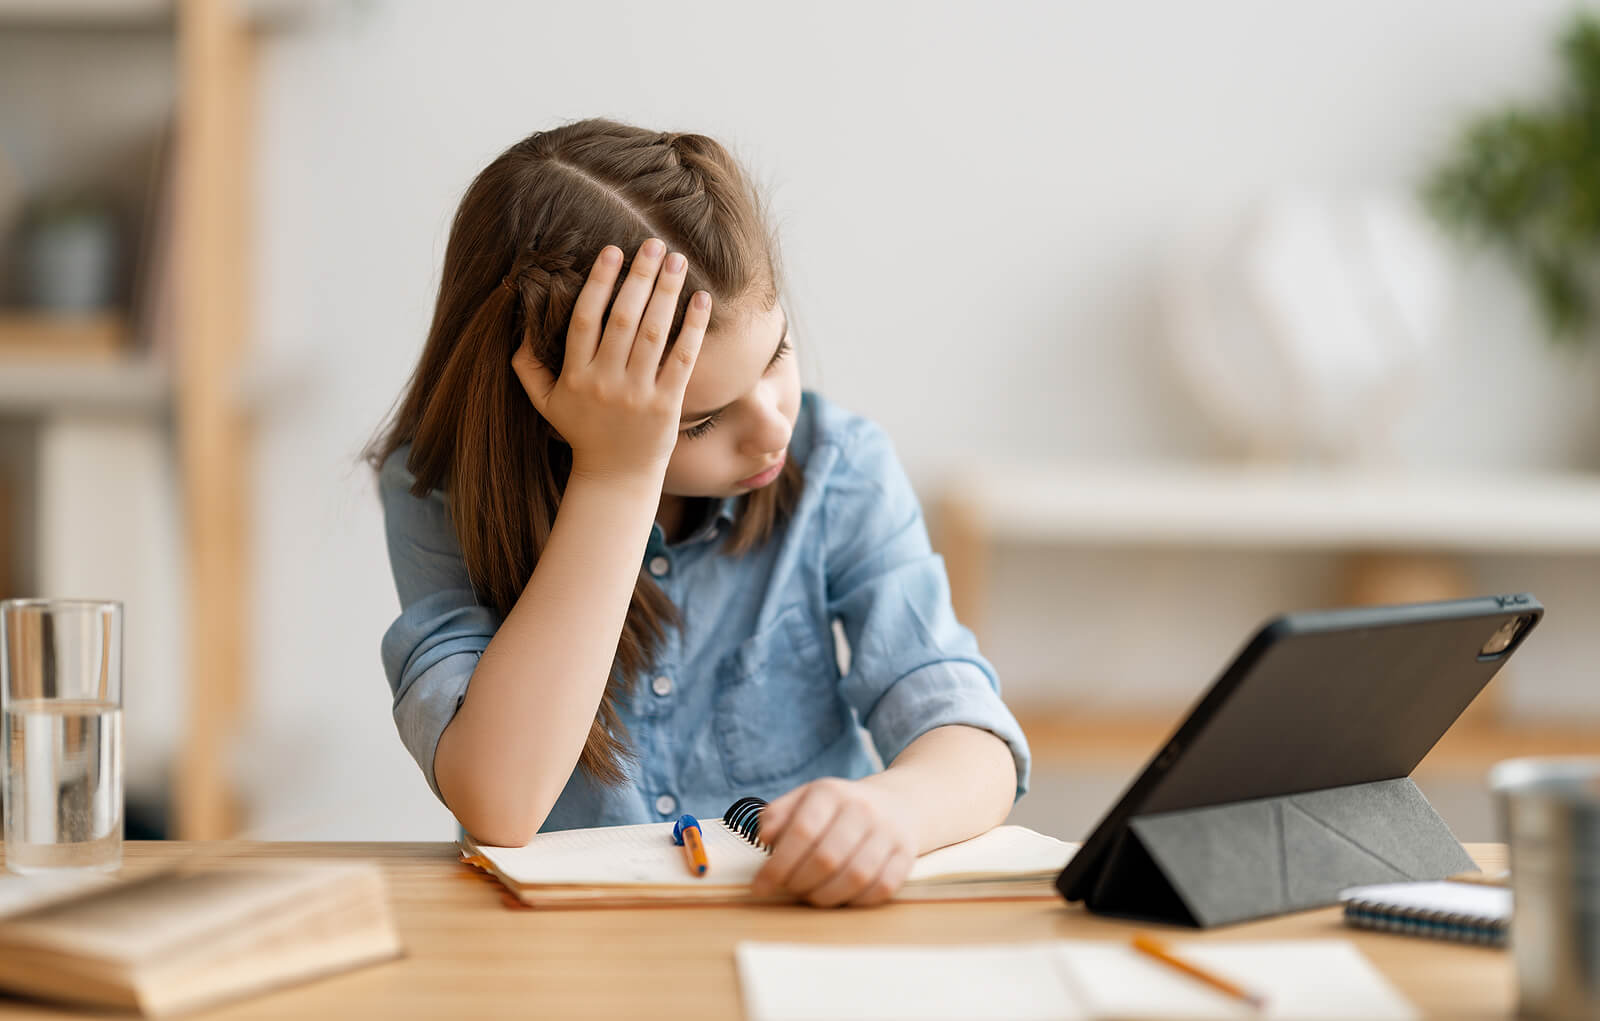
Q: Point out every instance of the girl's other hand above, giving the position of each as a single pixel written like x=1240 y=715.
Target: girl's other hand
x=835 y=842
x=615 y=403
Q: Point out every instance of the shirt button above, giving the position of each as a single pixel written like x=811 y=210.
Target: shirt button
x=666 y=804
x=660 y=566
x=662 y=686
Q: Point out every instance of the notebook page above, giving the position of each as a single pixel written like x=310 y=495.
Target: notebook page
x=1298 y=978
x=624 y=856
x=1489 y=903
x=801 y=982
x=1004 y=850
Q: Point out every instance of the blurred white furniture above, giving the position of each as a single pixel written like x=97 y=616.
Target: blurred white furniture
x=1400 y=533
x=1309 y=324
x=1386 y=518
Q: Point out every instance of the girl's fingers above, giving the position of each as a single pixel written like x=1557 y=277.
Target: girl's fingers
x=810 y=821
x=589 y=312
x=674 y=373
x=888 y=881
x=775 y=815
x=537 y=380
x=854 y=878
x=616 y=340
x=645 y=358
x=827 y=864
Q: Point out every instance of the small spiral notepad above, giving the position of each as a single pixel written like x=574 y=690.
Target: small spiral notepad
x=1465 y=912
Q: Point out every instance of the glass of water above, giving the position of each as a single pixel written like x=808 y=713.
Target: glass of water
x=61 y=684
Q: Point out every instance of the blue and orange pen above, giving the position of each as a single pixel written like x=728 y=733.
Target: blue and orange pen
x=686 y=831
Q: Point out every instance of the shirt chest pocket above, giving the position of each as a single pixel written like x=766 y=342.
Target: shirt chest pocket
x=778 y=704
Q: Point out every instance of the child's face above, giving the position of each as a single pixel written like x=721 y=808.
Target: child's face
x=740 y=408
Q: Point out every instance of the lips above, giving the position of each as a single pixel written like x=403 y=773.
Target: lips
x=764 y=476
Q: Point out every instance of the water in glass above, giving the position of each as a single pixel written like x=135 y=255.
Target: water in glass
x=63 y=806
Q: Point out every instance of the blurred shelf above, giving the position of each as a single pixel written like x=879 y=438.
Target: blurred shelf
x=1267 y=508
x=1065 y=736
x=86 y=13
x=149 y=14
x=131 y=385
x=53 y=364
x=30 y=336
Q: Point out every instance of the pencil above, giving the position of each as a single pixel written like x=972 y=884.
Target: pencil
x=694 y=851
x=1155 y=948
x=1501 y=878
x=686 y=832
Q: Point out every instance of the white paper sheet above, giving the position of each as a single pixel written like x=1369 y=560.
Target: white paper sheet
x=1014 y=982
x=1069 y=979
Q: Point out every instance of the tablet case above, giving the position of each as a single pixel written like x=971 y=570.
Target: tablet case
x=1227 y=863
x=1287 y=781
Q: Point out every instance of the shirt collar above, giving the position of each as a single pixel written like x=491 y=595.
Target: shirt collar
x=714 y=526
x=715 y=523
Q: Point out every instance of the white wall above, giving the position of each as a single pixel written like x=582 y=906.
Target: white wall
x=974 y=201
x=87 y=464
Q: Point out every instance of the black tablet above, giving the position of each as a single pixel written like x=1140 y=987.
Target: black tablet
x=1317 y=700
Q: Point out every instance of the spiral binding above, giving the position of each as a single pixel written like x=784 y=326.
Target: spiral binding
x=744 y=818
x=1386 y=917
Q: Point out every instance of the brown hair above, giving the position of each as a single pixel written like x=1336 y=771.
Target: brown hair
x=539 y=215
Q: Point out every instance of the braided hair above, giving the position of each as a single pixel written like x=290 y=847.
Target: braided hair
x=527 y=230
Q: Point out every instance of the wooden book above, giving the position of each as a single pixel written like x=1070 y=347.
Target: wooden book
x=182 y=939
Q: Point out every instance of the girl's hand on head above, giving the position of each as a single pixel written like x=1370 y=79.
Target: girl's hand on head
x=615 y=403
x=835 y=842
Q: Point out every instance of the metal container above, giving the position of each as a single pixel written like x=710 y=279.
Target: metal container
x=1550 y=818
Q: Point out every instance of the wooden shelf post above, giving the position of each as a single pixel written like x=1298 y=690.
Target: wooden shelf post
x=958 y=536
x=216 y=61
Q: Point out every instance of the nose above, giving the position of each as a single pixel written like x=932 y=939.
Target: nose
x=769 y=433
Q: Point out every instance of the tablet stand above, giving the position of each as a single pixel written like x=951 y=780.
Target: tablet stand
x=1245 y=859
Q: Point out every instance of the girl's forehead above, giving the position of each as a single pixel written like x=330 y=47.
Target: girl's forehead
x=734 y=357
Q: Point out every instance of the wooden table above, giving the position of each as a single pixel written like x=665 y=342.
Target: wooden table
x=469 y=956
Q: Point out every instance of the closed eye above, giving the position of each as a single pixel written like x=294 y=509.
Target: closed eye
x=777 y=356
x=694 y=432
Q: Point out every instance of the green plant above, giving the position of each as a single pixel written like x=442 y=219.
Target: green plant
x=1527 y=181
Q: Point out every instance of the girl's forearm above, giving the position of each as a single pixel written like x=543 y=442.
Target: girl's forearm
x=505 y=757
x=953 y=782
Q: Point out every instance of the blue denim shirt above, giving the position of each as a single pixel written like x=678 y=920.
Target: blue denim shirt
x=746 y=696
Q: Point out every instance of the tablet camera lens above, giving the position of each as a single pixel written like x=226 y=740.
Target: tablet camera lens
x=1501 y=640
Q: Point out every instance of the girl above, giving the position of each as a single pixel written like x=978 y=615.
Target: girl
x=621 y=534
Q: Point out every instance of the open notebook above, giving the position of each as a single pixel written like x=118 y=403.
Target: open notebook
x=616 y=866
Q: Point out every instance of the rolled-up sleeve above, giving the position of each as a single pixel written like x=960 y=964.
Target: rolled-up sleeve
x=432 y=648
x=913 y=666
